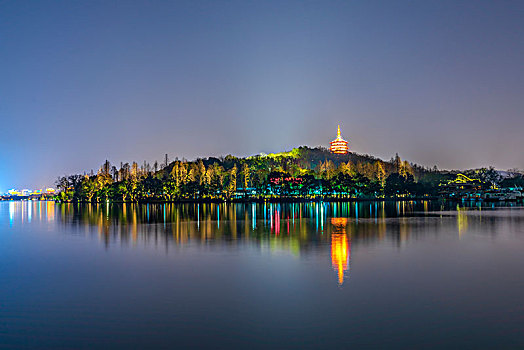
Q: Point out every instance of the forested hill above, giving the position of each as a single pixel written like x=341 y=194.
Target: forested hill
x=300 y=173
x=304 y=159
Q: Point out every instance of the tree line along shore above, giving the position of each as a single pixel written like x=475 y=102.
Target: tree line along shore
x=301 y=174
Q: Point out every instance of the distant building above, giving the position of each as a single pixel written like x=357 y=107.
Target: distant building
x=14 y=192
x=339 y=145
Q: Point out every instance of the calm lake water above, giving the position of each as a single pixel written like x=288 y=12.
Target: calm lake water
x=303 y=275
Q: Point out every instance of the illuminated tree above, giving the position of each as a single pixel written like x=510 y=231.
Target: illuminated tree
x=201 y=172
x=368 y=170
x=64 y=188
x=329 y=169
x=220 y=174
x=88 y=188
x=208 y=176
x=101 y=182
x=325 y=170
x=170 y=189
x=134 y=171
x=380 y=172
x=406 y=169
x=191 y=173
x=232 y=182
x=183 y=172
x=359 y=168
x=246 y=173
x=345 y=168
x=175 y=174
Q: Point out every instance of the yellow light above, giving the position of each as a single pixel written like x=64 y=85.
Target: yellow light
x=339 y=145
x=339 y=255
x=340 y=247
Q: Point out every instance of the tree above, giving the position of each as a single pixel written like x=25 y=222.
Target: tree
x=397 y=163
x=345 y=168
x=201 y=172
x=134 y=171
x=380 y=173
x=329 y=169
x=325 y=170
x=166 y=161
x=175 y=174
x=183 y=173
x=192 y=173
x=396 y=184
x=101 y=182
x=114 y=173
x=125 y=171
x=232 y=182
x=406 y=169
x=64 y=188
x=170 y=189
x=88 y=188
x=246 y=173
x=344 y=184
x=106 y=168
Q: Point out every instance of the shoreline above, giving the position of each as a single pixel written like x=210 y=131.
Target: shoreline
x=248 y=200
x=265 y=200
x=270 y=200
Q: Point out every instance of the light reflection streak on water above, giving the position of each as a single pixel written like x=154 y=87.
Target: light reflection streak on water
x=462 y=221
x=253 y=216
x=277 y=222
x=293 y=214
x=316 y=214
x=340 y=248
x=11 y=213
x=271 y=217
x=265 y=224
x=322 y=217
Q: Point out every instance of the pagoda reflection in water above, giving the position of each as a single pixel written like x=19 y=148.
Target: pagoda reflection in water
x=340 y=248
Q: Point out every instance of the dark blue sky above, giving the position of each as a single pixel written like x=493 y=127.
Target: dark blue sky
x=439 y=82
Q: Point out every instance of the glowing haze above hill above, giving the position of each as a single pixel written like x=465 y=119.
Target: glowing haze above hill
x=439 y=82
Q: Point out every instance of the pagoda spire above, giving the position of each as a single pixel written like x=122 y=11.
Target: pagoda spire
x=338 y=132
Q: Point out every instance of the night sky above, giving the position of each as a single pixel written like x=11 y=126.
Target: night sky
x=439 y=82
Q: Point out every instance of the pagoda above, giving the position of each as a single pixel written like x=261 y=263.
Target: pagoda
x=339 y=145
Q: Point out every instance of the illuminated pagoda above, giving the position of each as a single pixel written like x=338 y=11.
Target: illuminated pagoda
x=339 y=145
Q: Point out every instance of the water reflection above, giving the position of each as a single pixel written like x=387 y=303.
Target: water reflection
x=340 y=248
x=26 y=211
x=462 y=220
x=297 y=228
